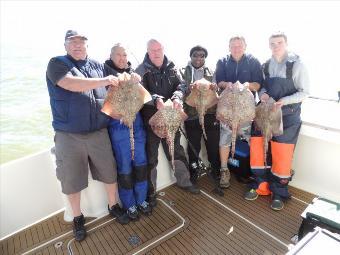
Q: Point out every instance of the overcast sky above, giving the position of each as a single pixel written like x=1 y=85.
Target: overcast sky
x=312 y=28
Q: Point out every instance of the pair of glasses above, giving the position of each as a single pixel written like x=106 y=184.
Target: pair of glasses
x=198 y=55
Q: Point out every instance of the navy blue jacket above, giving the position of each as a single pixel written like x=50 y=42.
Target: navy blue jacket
x=248 y=69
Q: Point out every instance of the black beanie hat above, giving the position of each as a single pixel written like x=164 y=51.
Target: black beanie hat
x=199 y=48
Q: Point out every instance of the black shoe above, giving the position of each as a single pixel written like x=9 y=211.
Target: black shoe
x=214 y=175
x=79 y=230
x=191 y=189
x=132 y=212
x=245 y=180
x=251 y=195
x=218 y=191
x=145 y=208
x=117 y=212
x=277 y=204
x=194 y=172
x=152 y=200
x=194 y=177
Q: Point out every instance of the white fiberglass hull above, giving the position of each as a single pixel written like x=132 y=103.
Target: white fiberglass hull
x=30 y=190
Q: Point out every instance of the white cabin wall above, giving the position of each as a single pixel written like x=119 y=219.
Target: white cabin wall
x=317 y=162
x=29 y=192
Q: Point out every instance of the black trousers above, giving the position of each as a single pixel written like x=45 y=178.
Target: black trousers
x=181 y=164
x=194 y=132
x=152 y=144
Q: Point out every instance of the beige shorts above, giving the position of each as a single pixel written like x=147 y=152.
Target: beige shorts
x=225 y=133
x=77 y=153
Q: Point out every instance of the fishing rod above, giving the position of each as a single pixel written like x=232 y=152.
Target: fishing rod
x=202 y=168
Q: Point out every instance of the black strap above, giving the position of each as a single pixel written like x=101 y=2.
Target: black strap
x=289 y=69
x=265 y=68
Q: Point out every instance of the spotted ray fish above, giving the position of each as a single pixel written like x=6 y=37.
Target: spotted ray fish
x=165 y=123
x=268 y=120
x=235 y=108
x=202 y=98
x=124 y=102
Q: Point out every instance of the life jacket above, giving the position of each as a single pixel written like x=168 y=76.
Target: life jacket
x=78 y=112
x=278 y=87
x=187 y=74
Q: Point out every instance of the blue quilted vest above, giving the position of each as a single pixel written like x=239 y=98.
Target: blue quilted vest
x=78 y=112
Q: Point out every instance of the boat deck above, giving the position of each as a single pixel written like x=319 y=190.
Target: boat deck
x=180 y=224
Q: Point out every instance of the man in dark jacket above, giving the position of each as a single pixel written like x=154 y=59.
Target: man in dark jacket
x=196 y=70
x=132 y=174
x=159 y=76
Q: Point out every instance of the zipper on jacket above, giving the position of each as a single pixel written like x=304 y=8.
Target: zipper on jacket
x=236 y=71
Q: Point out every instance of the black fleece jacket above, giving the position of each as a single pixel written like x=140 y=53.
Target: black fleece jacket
x=160 y=82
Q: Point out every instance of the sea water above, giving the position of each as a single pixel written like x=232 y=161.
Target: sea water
x=25 y=118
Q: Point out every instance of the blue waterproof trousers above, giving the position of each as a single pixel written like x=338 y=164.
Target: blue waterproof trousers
x=132 y=174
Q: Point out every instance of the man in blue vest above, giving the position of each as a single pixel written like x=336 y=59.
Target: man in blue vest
x=287 y=82
x=76 y=86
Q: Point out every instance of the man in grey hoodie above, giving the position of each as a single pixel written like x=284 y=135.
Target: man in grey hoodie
x=287 y=82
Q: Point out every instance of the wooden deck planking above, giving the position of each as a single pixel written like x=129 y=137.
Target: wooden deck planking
x=158 y=251
x=112 y=238
x=35 y=236
x=190 y=242
x=29 y=238
x=10 y=244
x=51 y=250
x=206 y=230
x=3 y=248
x=46 y=231
x=207 y=238
x=209 y=227
x=51 y=228
x=82 y=249
x=98 y=242
x=286 y=220
x=213 y=228
x=17 y=243
x=218 y=241
x=23 y=241
x=116 y=239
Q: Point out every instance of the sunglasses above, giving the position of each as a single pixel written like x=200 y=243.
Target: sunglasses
x=196 y=55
